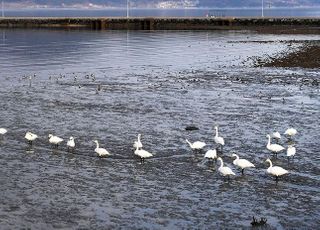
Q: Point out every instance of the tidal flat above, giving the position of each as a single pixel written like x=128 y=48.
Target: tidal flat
x=112 y=85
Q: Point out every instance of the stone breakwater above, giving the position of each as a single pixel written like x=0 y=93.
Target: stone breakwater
x=279 y=25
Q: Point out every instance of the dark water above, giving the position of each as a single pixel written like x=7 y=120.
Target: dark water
x=153 y=83
x=189 y=12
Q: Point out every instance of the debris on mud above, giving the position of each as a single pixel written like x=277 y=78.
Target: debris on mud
x=256 y=222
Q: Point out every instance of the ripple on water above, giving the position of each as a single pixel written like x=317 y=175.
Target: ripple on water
x=155 y=84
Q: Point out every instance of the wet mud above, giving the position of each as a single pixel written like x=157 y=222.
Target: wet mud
x=306 y=55
x=47 y=188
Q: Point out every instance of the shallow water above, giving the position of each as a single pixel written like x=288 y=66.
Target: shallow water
x=156 y=84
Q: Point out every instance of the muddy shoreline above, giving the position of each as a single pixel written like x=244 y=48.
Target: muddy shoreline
x=305 y=57
x=155 y=84
x=299 y=54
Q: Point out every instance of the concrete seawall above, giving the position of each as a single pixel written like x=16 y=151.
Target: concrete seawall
x=261 y=24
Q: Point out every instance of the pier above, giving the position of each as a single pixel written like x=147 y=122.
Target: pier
x=292 y=25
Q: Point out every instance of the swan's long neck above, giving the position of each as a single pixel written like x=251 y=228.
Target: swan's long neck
x=216 y=131
x=221 y=161
x=269 y=140
x=237 y=158
x=139 y=138
x=270 y=164
x=97 y=143
x=189 y=143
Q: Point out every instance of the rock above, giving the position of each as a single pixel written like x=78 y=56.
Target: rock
x=191 y=128
x=261 y=222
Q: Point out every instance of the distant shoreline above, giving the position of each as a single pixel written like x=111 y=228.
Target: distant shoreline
x=278 y=25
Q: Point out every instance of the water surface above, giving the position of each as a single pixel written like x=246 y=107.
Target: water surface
x=156 y=84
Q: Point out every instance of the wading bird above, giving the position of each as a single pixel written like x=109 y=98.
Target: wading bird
x=211 y=154
x=138 y=143
x=198 y=145
x=30 y=137
x=276 y=135
x=142 y=154
x=291 y=151
x=71 y=144
x=291 y=132
x=224 y=170
x=274 y=148
x=275 y=170
x=3 y=131
x=55 y=140
x=242 y=163
x=218 y=140
x=100 y=151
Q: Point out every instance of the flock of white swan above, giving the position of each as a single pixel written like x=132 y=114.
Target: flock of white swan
x=276 y=171
x=211 y=154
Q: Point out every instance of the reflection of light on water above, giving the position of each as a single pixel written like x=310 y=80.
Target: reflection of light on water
x=3 y=37
x=2 y=9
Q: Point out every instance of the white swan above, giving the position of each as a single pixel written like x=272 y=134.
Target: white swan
x=100 y=151
x=276 y=135
x=55 y=140
x=218 y=140
x=242 y=163
x=3 y=131
x=196 y=145
x=291 y=151
x=275 y=148
x=142 y=154
x=30 y=137
x=225 y=171
x=211 y=154
x=138 y=143
x=275 y=170
x=71 y=144
x=291 y=132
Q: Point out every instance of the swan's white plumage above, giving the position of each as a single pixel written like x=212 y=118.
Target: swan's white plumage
x=291 y=132
x=275 y=170
x=142 y=153
x=196 y=145
x=54 y=139
x=224 y=170
x=218 y=140
x=30 y=136
x=100 y=151
x=211 y=154
x=274 y=147
x=3 y=131
x=242 y=163
x=138 y=143
x=71 y=143
x=276 y=135
x=291 y=151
